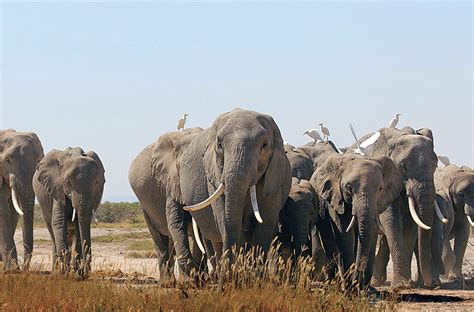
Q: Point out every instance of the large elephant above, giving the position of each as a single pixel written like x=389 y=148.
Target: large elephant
x=455 y=187
x=356 y=190
x=20 y=152
x=67 y=184
x=409 y=217
x=240 y=157
x=301 y=164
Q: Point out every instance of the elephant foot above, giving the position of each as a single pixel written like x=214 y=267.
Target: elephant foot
x=377 y=281
x=455 y=278
x=402 y=283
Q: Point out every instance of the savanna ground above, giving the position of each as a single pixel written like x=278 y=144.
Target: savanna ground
x=125 y=277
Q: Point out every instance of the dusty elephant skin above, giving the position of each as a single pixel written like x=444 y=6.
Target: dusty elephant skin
x=242 y=151
x=455 y=189
x=69 y=185
x=413 y=155
x=20 y=152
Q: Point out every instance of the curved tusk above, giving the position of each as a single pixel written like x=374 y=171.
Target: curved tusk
x=15 y=203
x=253 y=199
x=411 y=205
x=196 y=236
x=470 y=220
x=207 y=202
x=439 y=214
x=73 y=214
x=351 y=225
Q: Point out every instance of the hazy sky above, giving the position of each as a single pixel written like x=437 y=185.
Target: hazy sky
x=114 y=76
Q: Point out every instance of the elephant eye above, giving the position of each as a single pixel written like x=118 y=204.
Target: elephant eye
x=380 y=188
x=461 y=194
x=7 y=160
x=349 y=187
x=402 y=165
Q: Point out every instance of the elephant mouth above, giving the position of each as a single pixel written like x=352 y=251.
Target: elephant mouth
x=218 y=192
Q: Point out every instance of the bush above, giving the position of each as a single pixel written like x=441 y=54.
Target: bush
x=119 y=213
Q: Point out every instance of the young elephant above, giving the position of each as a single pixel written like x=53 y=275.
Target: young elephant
x=69 y=186
x=455 y=189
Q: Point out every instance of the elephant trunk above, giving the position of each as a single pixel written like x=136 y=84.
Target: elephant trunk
x=84 y=217
x=469 y=211
x=28 y=204
x=300 y=233
x=59 y=225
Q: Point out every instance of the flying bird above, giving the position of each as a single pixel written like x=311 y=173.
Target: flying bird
x=325 y=132
x=444 y=160
x=314 y=134
x=363 y=146
x=394 y=121
x=182 y=122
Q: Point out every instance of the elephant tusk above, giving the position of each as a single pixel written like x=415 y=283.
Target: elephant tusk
x=470 y=220
x=15 y=202
x=411 y=205
x=351 y=225
x=207 y=202
x=439 y=214
x=253 y=198
x=196 y=236
x=73 y=214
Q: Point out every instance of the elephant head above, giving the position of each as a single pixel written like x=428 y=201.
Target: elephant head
x=299 y=213
x=20 y=152
x=360 y=188
x=74 y=181
x=300 y=163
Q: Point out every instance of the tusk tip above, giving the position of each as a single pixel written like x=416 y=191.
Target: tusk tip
x=445 y=221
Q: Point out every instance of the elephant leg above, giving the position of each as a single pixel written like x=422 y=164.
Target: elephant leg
x=379 y=276
x=461 y=237
x=317 y=251
x=161 y=245
x=177 y=228
x=437 y=266
x=411 y=247
x=449 y=257
x=59 y=225
x=329 y=244
x=392 y=225
x=9 y=254
x=77 y=247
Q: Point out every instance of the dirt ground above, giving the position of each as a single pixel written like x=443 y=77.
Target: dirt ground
x=114 y=255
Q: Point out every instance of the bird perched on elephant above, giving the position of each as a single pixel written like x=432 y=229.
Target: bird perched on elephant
x=455 y=189
x=409 y=218
x=238 y=169
x=69 y=185
x=20 y=152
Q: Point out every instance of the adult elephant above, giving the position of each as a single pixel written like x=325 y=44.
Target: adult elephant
x=238 y=167
x=301 y=164
x=355 y=190
x=69 y=185
x=20 y=152
x=455 y=187
x=409 y=217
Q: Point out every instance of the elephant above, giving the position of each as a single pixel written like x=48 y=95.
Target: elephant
x=355 y=190
x=455 y=189
x=20 y=152
x=301 y=164
x=152 y=193
x=69 y=183
x=238 y=168
x=409 y=217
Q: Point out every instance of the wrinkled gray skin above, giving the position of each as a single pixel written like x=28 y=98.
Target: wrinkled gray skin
x=413 y=155
x=350 y=185
x=20 y=152
x=242 y=148
x=455 y=189
x=65 y=180
x=149 y=186
x=301 y=164
x=299 y=214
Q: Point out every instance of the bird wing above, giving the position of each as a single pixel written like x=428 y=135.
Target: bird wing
x=373 y=138
x=393 y=123
x=315 y=134
x=180 y=123
x=354 y=135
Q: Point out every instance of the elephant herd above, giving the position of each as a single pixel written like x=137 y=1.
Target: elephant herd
x=237 y=184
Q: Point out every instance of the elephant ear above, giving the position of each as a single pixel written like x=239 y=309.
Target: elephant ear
x=101 y=181
x=325 y=181
x=426 y=132
x=278 y=172
x=49 y=176
x=392 y=182
x=318 y=212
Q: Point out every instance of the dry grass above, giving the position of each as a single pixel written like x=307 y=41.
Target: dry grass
x=113 y=238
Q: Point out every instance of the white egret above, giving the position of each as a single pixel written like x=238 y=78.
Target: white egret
x=325 y=132
x=314 y=134
x=394 y=121
x=363 y=146
x=182 y=122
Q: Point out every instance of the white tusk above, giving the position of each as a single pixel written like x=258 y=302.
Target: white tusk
x=73 y=214
x=439 y=214
x=196 y=236
x=351 y=225
x=411 y=205
x=470 y=220
x=253 y=199
x=15 y=203
x=207 y=202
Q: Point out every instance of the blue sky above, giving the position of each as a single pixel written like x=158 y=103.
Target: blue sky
x=114 y=76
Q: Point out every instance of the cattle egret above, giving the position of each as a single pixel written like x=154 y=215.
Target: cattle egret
x=314 y=134
x=394 y=121
x=444 y=160
x=325 y=132
x=182 y=122
x=364 y=145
